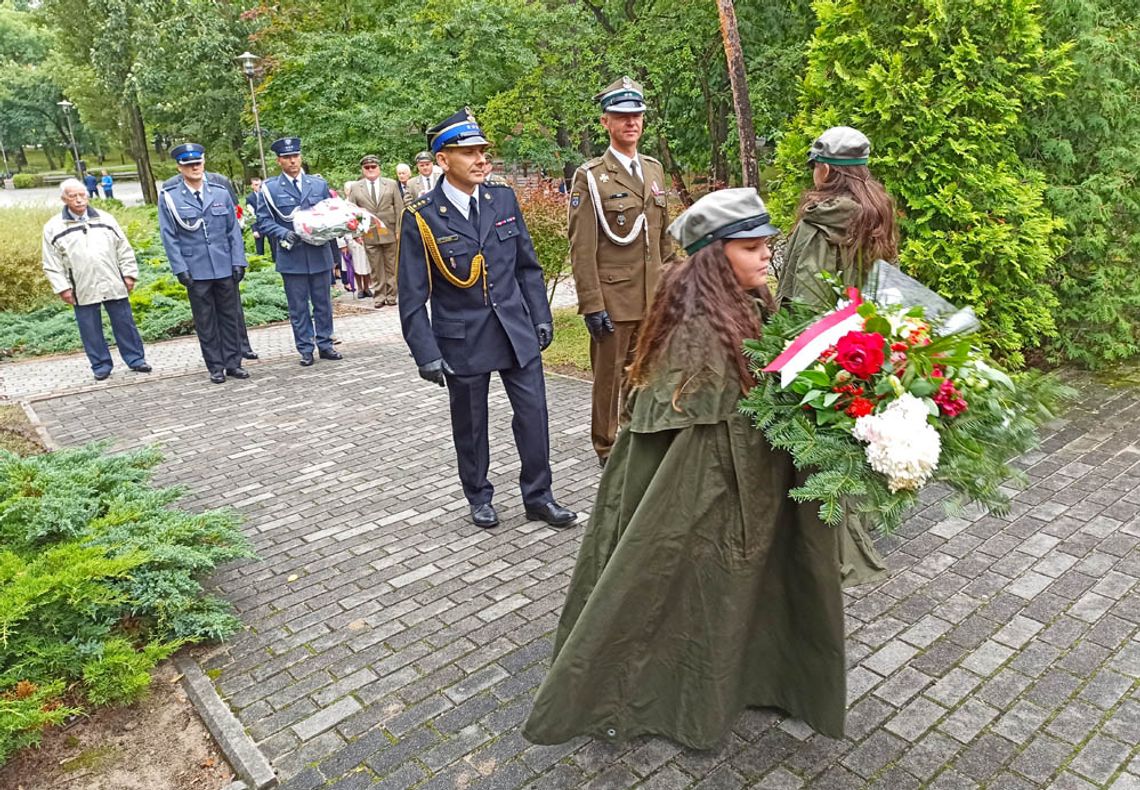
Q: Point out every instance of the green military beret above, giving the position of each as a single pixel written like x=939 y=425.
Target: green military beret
x=724 y=214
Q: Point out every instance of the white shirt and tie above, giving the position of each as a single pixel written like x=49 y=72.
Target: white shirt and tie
x=631 y=165
x=462 y=201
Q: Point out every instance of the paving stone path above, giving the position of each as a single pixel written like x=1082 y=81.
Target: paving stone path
x=390 y=644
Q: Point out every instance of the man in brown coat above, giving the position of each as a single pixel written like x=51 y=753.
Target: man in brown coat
x=618 y=217
x=381 y=197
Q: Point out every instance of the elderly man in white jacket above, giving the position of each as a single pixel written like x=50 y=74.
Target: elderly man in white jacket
x=90 y=263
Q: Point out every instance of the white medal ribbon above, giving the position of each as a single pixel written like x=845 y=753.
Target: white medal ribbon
x=596 y=199
x=285 y=218
x=189 y=227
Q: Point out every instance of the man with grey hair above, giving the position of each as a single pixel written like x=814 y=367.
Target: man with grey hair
x=403 y=176
x=90 y=263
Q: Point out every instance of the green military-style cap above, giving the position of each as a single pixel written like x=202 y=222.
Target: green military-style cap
x=424 y=156
x=623 y=95
x=724 y=214
x=841 y=146
x=369 y=159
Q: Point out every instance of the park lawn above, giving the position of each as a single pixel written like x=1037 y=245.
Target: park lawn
x=570 y=351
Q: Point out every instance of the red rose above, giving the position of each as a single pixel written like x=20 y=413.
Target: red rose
x=860 y=407
x=860 y=353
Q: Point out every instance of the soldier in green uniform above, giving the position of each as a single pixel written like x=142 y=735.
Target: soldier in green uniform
x=701 y=587
x=618 y=243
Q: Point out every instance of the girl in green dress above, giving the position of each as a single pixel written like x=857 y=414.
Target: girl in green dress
x=700 y=588
x=843 y=225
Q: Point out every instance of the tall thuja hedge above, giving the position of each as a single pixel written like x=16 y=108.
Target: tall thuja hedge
x=1087 y=140
x=941 y=88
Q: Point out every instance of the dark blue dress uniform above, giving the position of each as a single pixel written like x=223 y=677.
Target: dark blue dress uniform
x=487 y=296
x=203 y=243
x=305 y=268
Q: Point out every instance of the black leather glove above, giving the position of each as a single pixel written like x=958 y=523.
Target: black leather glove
x=599 y=324
x=290 y=241
x=434 y=370
x=185 y=279
x=239 y=273
x=545 y=334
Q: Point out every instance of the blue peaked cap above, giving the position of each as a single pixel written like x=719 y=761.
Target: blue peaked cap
x=286 y=146
x=188 y=153
x=460 y=129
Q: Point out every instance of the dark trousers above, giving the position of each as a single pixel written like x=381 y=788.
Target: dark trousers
x=609 y=359
x=89 y=317
x=301 y=291
x=526 y=389
x=259 y=247
x=243 y=332
x=214 y=305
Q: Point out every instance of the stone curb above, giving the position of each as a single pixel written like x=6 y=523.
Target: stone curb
x=40 y=429
x=244 y=756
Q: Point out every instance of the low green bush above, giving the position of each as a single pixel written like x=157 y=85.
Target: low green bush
x=26 y=181
x=98 y=582
x=23 y=285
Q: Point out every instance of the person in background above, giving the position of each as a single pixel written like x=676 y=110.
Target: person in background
x=259 y=245
x=92 y=184
x=403 y=176
x=701 y=586
x=843 y=225
x=380 y=197
x=425 y=180
x=108 y=185
x=91 y=266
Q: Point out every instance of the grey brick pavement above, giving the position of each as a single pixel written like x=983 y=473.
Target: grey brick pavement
x=390 y=644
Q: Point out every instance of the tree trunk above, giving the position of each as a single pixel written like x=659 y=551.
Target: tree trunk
x=140 y=149
x=718 y=132
x=47 y=156
x=734 y=55
x=675 y=174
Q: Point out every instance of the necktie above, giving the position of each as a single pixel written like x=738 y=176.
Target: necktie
x=198 y=196
x=427 y=182
x=297 y=183
x=633 y=170
x=473 y=212
x=372 y=191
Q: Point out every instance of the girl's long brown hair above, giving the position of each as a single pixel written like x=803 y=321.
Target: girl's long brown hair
x=701 y=287
x=873 y=233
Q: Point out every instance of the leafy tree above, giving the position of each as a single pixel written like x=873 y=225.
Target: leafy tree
x=942 y=88
x=1087 y=141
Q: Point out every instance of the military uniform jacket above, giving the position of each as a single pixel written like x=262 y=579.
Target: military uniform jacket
x=90 y=258
x=204 y=240
x=617 y=278
x=276 y=224
x=387 y=207
x=474 y=330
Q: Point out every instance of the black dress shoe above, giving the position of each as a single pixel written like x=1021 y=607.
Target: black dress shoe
x=143 y=368
x=331 y=353
x=103 y=376
x=484 y=515
x=553 y=514
x=217 y=378
x=306 y=360
x=237 y=373
x=249 y=355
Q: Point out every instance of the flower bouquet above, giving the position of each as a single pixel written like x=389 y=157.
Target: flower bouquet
x=879 y=398
x=331 y=219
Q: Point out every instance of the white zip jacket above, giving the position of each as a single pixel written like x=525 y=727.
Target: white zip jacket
x=91 y=257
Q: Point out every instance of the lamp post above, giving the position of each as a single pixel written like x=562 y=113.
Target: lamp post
x=67 y=108
x=248 y=63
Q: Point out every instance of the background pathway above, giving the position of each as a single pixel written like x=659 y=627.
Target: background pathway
x=391 y=644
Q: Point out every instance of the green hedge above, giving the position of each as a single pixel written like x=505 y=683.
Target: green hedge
x=98 y=582
x=26 y=181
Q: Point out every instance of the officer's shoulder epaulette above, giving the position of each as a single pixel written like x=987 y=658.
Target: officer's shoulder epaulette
x=651 y=159
x=589 y=164
x=419 y=203
x=171 y=182
x=499 y=184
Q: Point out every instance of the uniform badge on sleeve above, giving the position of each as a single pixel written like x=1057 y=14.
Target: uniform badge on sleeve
x=575 y=199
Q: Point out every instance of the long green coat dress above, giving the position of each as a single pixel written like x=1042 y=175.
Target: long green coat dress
x=700 y=587
x=814 y=247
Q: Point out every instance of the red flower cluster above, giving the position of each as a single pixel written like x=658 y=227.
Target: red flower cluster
x=949 y=399
x=860 y=407
x=860 y=353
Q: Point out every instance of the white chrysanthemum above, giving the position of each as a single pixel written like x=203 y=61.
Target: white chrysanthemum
x=901 y=444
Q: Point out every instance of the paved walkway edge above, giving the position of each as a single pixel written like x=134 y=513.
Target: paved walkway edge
x=37 y=424
x=244 y=756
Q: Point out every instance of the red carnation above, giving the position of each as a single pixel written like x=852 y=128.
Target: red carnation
x=860 y=353
x=860 y=407
x=949 y=399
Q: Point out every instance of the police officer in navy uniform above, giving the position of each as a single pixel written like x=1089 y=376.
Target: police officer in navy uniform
x=203 y=243
x=306 y=268
x=219 y=180
x=464 y=248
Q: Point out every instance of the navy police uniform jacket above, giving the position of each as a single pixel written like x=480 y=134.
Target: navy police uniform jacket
x=271 y=221
x=475 y=330
x=204 y=240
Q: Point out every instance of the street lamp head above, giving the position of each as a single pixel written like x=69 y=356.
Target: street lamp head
x=66 y=105
x=248 y=62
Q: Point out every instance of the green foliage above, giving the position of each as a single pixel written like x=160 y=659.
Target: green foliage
x=1087 y=141
x=36 y=322
x=545 y=211
x=26 y=181
x=977 y=446
x=942 y=88
x=98 y=581
x=570 y=350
